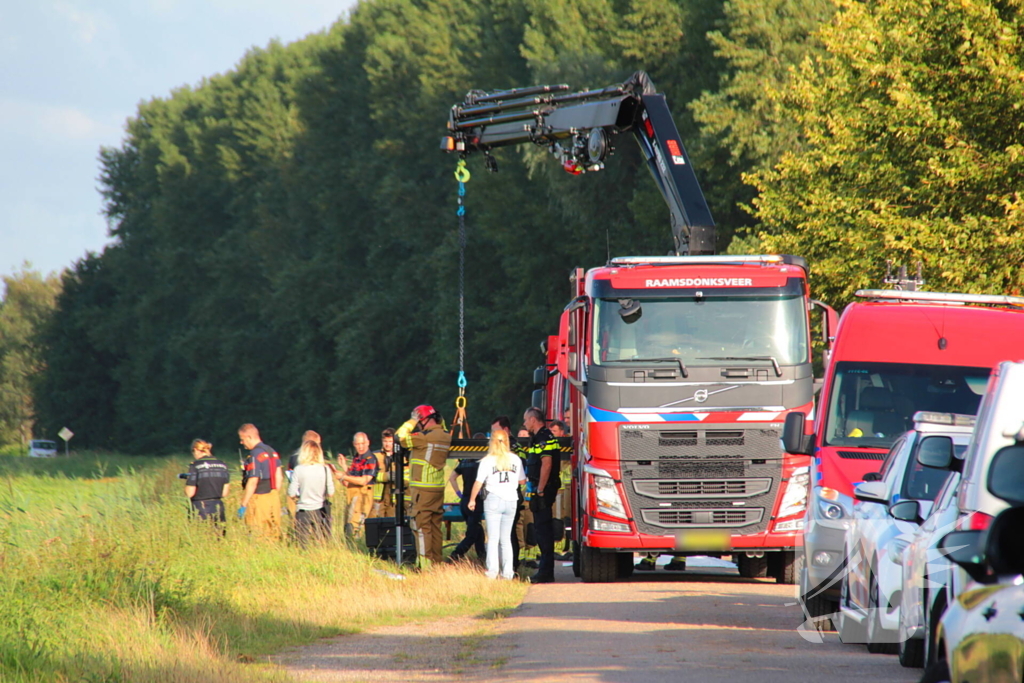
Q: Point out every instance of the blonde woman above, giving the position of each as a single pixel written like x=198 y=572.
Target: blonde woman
x=500 y=474
x=310 y=488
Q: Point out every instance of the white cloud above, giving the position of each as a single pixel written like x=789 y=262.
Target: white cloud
x=87 y=24
x=54 y=123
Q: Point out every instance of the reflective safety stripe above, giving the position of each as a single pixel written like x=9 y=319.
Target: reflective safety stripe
x=424 y=474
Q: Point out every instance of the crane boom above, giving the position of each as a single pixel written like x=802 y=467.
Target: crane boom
x=580 y=128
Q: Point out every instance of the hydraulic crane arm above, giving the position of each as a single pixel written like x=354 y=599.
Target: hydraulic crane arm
x=580 y=128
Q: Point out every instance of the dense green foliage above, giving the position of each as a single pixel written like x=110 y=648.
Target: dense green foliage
x=286 y=240
x=27 y=304
x=106 y=578
x=286 y=237
x=914 y=151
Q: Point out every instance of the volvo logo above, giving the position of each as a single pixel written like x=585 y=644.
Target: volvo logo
x=700 y=396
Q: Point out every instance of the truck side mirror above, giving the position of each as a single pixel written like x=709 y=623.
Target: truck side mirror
x=906 y=511
x=936 y=452
x=540 y=376
x=829 y=322
x=539 y=399
x=793 y=438
x=1006 y=475
x=963 y=548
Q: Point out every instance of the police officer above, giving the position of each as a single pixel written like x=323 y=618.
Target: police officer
x=425 y=436
x=544 y=457
x=261 y=481
x=207 y=483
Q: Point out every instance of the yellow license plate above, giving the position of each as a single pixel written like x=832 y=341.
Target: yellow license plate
x=703 y=539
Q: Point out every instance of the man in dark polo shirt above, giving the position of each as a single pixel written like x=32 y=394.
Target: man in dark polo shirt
x=207 y=483
x=261 y=481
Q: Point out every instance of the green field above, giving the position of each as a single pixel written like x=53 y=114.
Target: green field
x=103 y=577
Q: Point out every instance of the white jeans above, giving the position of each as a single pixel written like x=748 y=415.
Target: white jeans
x=500 y=515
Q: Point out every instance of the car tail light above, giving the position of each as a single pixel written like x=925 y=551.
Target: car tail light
x=974 y=521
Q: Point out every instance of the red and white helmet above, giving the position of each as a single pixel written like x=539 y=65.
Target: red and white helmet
x=423 y=412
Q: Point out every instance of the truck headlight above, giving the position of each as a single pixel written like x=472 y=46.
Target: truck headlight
x=609 y=501
x=794 y=501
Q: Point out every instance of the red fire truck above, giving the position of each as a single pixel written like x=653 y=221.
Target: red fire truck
x=676 y=372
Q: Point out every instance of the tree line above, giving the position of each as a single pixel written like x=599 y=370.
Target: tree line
x=285 y=240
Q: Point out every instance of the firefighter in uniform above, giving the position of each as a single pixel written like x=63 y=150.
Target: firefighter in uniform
x=261 y=481
x=358 y=480
x=425 y=436
x=544 y=457
x=383 y=486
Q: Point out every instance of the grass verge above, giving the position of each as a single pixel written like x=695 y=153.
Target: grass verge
x=103 y=578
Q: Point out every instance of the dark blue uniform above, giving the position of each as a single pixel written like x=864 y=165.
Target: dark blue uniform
x=543 y=444
x=209 y=476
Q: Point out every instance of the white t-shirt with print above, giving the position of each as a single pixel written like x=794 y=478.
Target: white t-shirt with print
x=503 y=484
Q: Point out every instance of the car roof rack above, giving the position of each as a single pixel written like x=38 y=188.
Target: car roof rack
x=941 y=297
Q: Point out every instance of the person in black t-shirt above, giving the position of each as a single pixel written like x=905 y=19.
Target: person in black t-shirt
x=474 y=537
x=207 y=483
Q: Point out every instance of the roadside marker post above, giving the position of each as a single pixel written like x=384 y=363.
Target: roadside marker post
x=65 y=434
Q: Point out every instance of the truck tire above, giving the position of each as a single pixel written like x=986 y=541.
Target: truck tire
x=626 y=565
x=576 y=559
x=598 y=567
x=752 y=567
x=785 y=566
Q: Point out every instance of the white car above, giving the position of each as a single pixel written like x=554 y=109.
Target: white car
x=927 y=574
x=971 y=507
x=41 y=448
x=869 y=594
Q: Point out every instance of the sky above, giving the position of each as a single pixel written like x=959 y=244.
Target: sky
x=74 y=71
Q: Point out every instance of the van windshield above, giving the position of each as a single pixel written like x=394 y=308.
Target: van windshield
x=873 y=403
x=44 y=445
x=700 y=330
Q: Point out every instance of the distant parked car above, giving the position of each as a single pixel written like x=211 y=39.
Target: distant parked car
x=870 y=588
x=41 y=448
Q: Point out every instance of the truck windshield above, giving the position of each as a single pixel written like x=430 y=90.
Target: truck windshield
x=699 y=330
x=873 y=403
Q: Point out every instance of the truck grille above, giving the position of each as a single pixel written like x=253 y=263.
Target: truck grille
x=860 y=455
x=674 y=518
x=699 y=488
x=704 y=469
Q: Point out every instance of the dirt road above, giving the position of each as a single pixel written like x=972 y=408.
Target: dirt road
x=702 y=626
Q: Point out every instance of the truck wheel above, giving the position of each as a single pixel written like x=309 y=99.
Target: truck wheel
x=598 y=567
x=576 y=559
x=785 y=566
x=626 y=566
x=752 y=567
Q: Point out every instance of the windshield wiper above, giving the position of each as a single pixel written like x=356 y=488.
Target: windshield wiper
x=682 y=368
x=775 y=363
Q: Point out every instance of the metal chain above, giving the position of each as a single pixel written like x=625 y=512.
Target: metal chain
x=462 y=175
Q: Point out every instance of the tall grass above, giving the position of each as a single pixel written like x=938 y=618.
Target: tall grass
x=103 y=577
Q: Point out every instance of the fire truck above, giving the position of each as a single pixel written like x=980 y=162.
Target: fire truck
x=676 y=373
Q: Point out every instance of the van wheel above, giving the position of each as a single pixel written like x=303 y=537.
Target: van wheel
x=879 y=639
x=850 y=630
x=931 y=645
x=752 y=567
x=598 y=567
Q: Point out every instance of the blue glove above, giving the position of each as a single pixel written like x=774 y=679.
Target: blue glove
x=241 y=512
